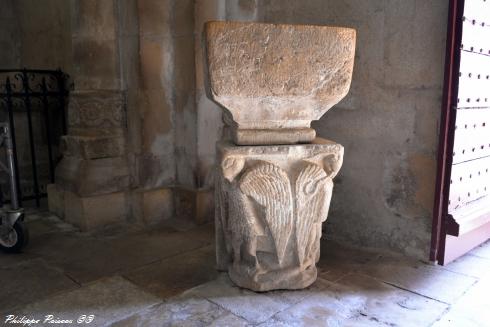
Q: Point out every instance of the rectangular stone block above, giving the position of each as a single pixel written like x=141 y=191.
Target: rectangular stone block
x=153 y=206
x=198 y=204
x=96 y=64
x=56 y=200
x=88 y=213
x=93 y=147
x=94 y=19
x=93 y=177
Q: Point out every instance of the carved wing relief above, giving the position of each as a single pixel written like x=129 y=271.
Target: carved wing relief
x=223 y=244
x=269 y=186
x=300 y=205
x=310 y=205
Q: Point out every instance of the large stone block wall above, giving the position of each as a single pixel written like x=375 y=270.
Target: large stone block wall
x=166 y=146
x=166 y=93
x=9 y=36
x=35 y=36
x=388 y=123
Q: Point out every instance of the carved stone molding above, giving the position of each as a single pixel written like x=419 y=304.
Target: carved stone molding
x=271 y=202
x=97 y=110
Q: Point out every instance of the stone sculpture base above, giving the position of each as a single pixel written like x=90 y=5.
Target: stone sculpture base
x=271 y=202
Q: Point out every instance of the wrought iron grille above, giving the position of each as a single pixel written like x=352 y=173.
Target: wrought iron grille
x=34 y=104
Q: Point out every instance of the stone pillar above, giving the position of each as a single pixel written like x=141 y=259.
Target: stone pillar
x=93 y=179
x=274 y=178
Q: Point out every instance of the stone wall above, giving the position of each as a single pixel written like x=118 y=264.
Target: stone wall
x=9 y=36
x=166 y=96
x=166 y=144
x=35 y=36
x=388 y=123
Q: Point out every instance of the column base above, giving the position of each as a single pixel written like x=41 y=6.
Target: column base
x=88 y=213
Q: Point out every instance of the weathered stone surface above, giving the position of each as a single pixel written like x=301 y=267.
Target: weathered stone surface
x=254 y=307
x=152 y=206
x=87 y=257
x=99 y=112
x=271 y=202
x=179 y=312
x=93 y=147
x=419 y=278
x=360 y=301
x=95 y=211
x=198 y=204
x=94 y=161
x=56 y=200
x=274 y=79
x=176 y=274
x=92 y=177
x=109 y=300
x=30 y=281
x=471 y=309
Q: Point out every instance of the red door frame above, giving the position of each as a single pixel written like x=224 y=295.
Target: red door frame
x=446 y=130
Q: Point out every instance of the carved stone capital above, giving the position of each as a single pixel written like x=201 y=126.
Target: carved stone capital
x=271 y=202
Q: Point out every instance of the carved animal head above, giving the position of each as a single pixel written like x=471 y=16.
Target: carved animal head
x=332 y=164
x=232 y=166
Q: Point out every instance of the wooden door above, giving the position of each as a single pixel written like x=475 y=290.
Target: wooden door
x=462 y=206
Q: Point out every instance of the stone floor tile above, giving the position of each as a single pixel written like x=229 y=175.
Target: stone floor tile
x=329 y=308
x=172 y=276
x=482 y=251
x=291 y=297
x=229 y=320
x=38 y=225
x=335 y=250
x=46 y=224
x=7 y=259
x=337 y=260
x=360 y=301
x=182 y=312
x=86 y=258
x=460 y=319
x=388 y=305
x=433 y=282
x=176 y=312
x=82 y=258
x=472 y=309
x=253 y=307
x=109 y=300
x=470 y=265
x=29 y=281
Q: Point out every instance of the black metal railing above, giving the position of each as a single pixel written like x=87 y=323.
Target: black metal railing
x=34 y=104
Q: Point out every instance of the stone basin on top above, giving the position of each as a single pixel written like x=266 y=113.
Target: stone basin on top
x=274 y=79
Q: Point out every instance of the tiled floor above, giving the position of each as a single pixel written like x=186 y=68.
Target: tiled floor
x=165 y=276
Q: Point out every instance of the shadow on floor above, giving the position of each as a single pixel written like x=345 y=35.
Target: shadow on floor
x=130 y=276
